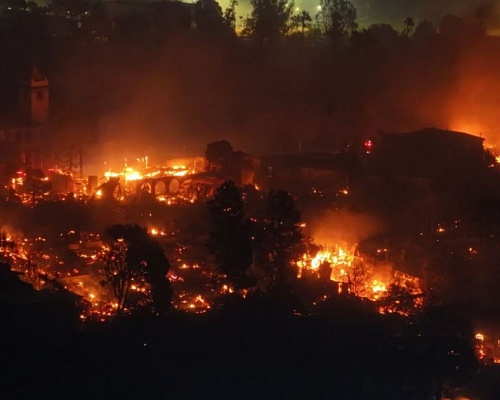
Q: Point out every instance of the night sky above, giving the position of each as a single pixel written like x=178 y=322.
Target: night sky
x=394 y=11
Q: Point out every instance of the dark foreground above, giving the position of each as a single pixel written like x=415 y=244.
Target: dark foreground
x=235 y=355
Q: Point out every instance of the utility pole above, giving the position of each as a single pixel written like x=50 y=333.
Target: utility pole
x=80 y=154
x=70 y=160
x=29 y=172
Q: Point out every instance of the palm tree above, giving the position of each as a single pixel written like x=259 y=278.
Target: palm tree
x=409 y=24
x=302 y=21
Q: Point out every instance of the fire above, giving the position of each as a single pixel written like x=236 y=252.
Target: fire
x=486 y=348
x=355 y=276
x=143 y=171
x=192 y=303
x=338 y=259
x=226 y=289
x=128 y=174
x=378 y=287
x=361 y=277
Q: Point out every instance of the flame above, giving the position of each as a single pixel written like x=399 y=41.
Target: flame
x=128 y=174
x=337 y=257
x=378 y=287
x=363 y=279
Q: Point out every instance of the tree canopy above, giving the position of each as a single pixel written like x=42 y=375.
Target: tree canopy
x=281 y=237
x=269 y=18
x=301 y=21
x=230 y=240
x=409 y=25
x=337 y=19
x=135 y=260
x=209 y=18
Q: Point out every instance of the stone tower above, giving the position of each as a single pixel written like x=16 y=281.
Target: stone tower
x=34 y=98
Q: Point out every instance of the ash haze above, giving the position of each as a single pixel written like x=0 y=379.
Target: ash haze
x=170 y=100
x=345 y=226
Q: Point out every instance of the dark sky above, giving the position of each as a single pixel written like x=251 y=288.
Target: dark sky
x=395 y=11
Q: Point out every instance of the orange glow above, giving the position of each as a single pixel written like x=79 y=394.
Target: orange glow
x=472 y=128
x=363 y=278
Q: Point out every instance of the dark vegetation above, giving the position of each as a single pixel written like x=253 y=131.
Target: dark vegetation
x=251 y=350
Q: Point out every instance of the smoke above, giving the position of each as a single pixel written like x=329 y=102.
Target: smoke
x=161 y=104
x=486 y=12
x=172 y=100
x=346 y=226
x=474 y=105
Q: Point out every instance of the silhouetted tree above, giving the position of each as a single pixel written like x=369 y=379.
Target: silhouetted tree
x=452 y=26
x=230 y=240
x=384 y=35
x=269 y=18
x=424 y=32
x=301 y=21
x=119 y=274
x=148 y=251
x=230 y=14
x=209 y=18
x=358 y=276
x=456 y=30
x=281 y=240
x=134 y=258
x=325 y=271
x=216 y=152
x=409 y=24
x=399 y=299
x=337 y=19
